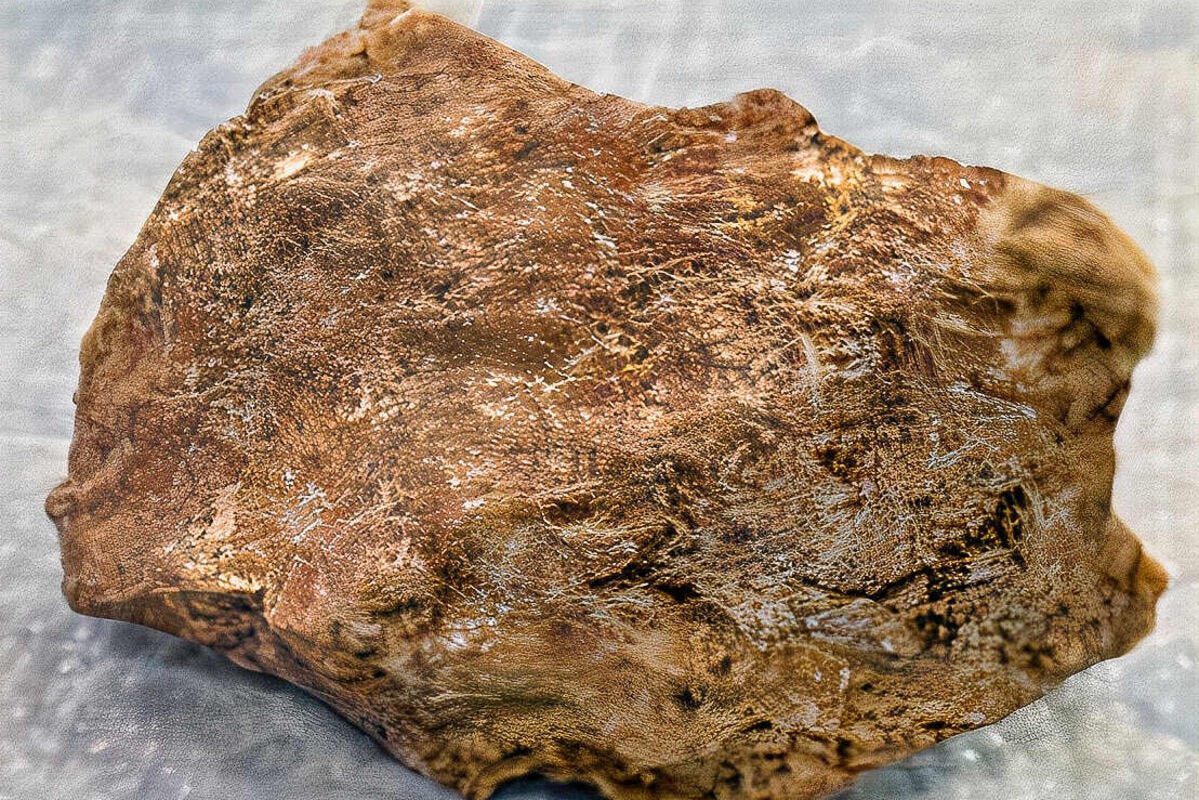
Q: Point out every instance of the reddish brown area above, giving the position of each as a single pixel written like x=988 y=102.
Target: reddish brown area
x=689 y=453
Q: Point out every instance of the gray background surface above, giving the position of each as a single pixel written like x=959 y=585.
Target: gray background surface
x=100 y=99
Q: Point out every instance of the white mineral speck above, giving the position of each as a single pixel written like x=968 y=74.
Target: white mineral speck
x=292 y=164
x=792 y=258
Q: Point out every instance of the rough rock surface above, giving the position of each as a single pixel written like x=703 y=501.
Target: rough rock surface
x=689 y=453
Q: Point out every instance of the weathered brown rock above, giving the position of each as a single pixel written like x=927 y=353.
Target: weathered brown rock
x=690 y=453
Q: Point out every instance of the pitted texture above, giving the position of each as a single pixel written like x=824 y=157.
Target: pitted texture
x=684 y=452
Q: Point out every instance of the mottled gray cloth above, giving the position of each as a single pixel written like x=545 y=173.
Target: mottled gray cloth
x=102 y=98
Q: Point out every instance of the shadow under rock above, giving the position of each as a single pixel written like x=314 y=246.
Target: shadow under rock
x=159 y=716
x=537 y=788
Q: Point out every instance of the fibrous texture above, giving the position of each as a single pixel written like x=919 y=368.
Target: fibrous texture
x=688 y=453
